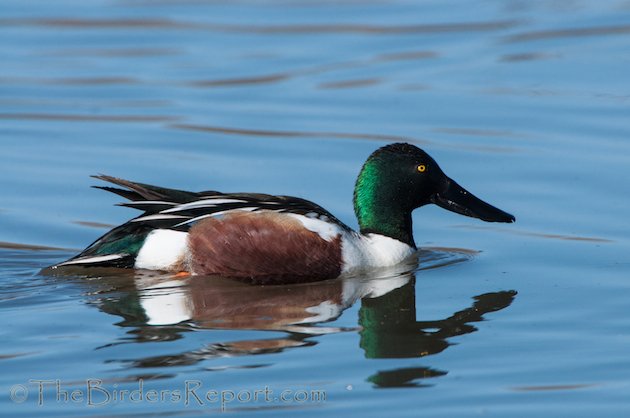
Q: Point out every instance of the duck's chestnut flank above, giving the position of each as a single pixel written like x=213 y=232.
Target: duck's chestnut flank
x=283 y=239
x=265 y=247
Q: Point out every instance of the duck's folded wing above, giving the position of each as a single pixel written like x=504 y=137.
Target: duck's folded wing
x=179 y=210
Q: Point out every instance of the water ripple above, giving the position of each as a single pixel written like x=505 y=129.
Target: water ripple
x=348 y=84
x=88 y=118
x=569 y=33
x=539 y=234
x=293 y=134
x=337 y=28
x=29 y=247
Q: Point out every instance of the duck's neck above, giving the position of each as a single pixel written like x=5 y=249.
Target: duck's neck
x=379 y=209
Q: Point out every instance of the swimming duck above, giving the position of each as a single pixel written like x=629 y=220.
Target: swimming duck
x=281 y=239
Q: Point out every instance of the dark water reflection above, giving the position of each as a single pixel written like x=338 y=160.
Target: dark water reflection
x=157 y=307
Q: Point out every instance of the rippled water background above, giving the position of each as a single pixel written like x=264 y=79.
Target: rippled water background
x=525 y=103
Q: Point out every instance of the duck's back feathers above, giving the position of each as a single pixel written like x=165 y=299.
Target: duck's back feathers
x=137 y=192
x=179 y=209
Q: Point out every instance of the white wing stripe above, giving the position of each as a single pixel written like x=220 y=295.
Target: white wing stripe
x=158 y=217
x=202 y=204
x=95 y=259
x=210 y=215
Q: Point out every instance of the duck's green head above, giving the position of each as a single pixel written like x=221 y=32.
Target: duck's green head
x=398 y=178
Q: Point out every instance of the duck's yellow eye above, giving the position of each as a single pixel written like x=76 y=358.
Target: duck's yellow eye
x=421 y=168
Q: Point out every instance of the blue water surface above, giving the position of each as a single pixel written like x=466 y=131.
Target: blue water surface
x=526 y=104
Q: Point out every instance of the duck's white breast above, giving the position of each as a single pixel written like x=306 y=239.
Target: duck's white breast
x=372 y=250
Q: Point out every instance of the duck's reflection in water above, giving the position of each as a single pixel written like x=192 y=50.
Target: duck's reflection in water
x=390 y=330
x=161 y=308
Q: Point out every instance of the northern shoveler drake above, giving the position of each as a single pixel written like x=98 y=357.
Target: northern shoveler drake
x=282 y=239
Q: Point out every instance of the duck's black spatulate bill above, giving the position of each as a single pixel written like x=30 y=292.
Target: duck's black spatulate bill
x=455 y=198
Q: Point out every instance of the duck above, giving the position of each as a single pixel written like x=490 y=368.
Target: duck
x=275 y=239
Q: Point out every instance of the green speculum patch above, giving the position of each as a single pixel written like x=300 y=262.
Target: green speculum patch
x=129 y=244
